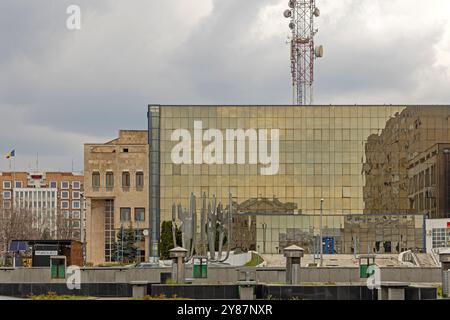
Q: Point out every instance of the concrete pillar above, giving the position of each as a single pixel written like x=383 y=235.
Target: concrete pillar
x=392 y=290
x=139 y=289
x=444 y=258
x=178 y=255
x=294 y=255
x=247 y=283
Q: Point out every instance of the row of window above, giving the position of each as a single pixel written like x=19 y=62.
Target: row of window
x=38 y=194
x=75 y=204
x=66 y=185
x=45 y=204
x=53 y=184
x=126 y=180
x=125 y=214
x=66 y=195
x=75 y=224
x=71 y=214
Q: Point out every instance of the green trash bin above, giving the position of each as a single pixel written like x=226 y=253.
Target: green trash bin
x=54 y=271
x=363 y=271
x=58 y=267
x=365 y=262
x=200 y=269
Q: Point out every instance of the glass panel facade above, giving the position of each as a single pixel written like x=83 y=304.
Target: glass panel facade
x=362 y=160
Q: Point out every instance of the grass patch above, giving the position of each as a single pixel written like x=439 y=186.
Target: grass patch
x=54 y=296
x=162 y=297
x=114 y=264
x=255 y=261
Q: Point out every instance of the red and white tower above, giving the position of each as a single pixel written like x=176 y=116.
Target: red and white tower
x=303 y=52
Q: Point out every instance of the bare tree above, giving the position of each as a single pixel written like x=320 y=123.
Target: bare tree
x=16 y=223
x=63 y=228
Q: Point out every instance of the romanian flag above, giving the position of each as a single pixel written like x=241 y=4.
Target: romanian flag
x=10 y=155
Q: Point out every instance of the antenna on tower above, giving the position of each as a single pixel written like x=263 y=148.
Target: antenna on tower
x=303 y=52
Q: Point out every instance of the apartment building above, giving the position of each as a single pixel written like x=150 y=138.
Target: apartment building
x=429 y=182
x=53 y=199
x=116 y=190
x=409 y=148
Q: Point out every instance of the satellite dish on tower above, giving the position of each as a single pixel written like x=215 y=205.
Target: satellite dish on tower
x=287 y=13
x=292 y=25
x=318 y=51
x=292 y=3
x=317 y=12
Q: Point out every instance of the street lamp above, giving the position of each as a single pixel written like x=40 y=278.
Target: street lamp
x=321 y=239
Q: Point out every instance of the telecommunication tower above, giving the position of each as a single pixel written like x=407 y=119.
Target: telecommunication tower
x=303 y=52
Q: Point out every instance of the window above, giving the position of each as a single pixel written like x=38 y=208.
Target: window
x=66 y=214
x=95 y=179
x=64 y=194
x=76 y=224
x=76 y=215
x=6 y=184
x=109 y=180
x=125 y=150
x=76 y=195
x=139 y=214
x=439 y=238
x=76 y=205
x=125 y=179
x=6 y=204
x=139 y=181
x=53 y=184
x=125 y=214
x=64 y=204
x=64 y=185
x=76 y=185
x=7 y=195
x=18 y=184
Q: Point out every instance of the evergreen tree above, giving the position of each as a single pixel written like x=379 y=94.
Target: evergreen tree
x=166 y=243
x=125 y=246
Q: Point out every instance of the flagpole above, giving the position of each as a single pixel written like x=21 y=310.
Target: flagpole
x=14 y=171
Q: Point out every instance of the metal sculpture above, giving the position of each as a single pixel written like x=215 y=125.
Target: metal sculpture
x=214 y=220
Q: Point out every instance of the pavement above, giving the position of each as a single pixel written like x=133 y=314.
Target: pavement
x=9 y=298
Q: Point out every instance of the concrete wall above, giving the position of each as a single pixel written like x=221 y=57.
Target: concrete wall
x=224 y=275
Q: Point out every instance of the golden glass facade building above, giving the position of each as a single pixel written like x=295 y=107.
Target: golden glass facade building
x=358 y=159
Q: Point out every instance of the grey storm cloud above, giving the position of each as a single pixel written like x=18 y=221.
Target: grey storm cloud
x=61 y=88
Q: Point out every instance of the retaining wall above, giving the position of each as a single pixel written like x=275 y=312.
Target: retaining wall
x=221 y=275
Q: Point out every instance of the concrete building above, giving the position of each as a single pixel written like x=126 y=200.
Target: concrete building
x=429 y=182
x=363 y=162
x=356 y=158
x=54 y=199
x=117 y=193
x=406 y=167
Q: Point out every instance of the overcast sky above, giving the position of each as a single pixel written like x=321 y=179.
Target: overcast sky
x=61 y=88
